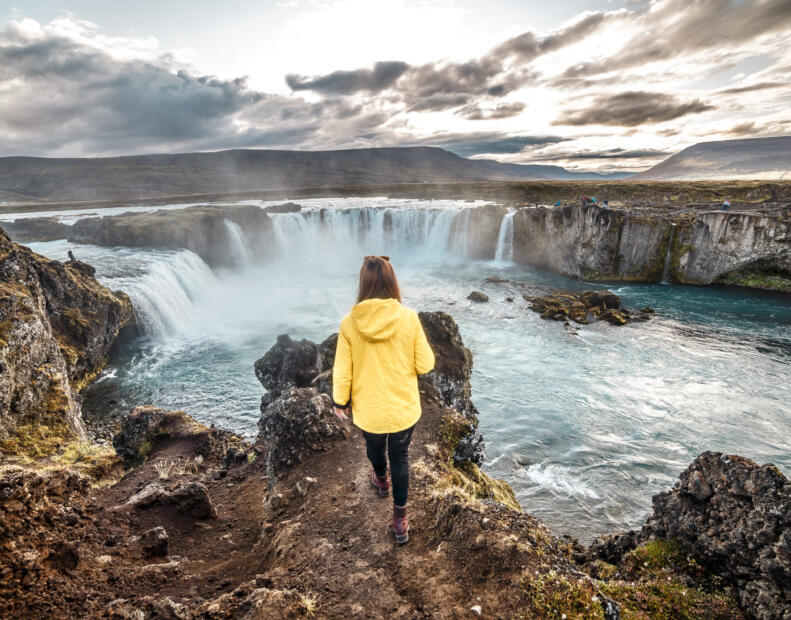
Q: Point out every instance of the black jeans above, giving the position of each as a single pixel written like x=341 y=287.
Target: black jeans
x=397 y=445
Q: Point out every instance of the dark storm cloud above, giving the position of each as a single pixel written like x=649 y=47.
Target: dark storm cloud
x=474 y=112
x=57 y=93
x=678 y=27
x=375 y=80
x=630 y=109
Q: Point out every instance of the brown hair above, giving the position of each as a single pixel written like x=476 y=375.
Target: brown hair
x=377 y=280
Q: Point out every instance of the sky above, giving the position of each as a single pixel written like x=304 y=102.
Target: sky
x=594 y=85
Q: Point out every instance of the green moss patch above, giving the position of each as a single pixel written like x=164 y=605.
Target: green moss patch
x=763 y=281
x=661 y=580
x=555 y=596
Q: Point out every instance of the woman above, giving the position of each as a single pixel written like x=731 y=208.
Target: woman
x=381 y=351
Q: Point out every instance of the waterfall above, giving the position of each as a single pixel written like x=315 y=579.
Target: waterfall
x=376 y=230
x=505 y=238
x=666 y=268
x=240 y=252
x=163 y=296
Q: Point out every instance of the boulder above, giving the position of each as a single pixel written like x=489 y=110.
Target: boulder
x=154 y=542
x=146 y=426
x=451 y=379
x=292 y=363
x=140 y=430
x=191 y=498
x=478 y=296
x=299 y=422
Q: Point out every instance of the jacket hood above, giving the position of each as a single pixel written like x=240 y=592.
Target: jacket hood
x=376 y=319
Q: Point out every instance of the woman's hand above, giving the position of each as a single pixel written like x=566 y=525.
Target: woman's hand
x=341 y=413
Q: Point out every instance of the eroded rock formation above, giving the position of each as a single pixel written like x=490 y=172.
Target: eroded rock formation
x=57 y=324
x=735 y=516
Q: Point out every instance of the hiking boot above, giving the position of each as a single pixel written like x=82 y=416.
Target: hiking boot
x=381 y=484
x=400 y=524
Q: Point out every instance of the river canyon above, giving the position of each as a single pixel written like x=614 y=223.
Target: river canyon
x=585 y=424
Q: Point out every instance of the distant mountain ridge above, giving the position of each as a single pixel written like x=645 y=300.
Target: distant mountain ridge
x=149 y=176
x=752 y=158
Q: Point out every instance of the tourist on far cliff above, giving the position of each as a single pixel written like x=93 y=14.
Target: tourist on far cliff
x=726 y=204
x=381 y=350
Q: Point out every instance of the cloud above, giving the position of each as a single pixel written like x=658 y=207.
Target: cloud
x=375 y=80
x=61 y=94
x=441 y=85
x=631 y=109
x=474 y=112
x=671 y=28
x=615 y=153
x=743 y=129
x=752 y=87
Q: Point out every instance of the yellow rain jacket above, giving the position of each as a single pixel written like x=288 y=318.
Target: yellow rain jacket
x=381 y=351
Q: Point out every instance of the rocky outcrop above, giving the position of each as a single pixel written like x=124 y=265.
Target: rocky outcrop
x=36 y=229
x=586 y=307
x=147 y=426
x=735 y=516
x=292 y=363
x=297 y=423
x=451 y=379
x=206 y=230
x=57 y=324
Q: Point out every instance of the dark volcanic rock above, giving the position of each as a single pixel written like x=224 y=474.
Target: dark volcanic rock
x=146 y=426
x=297 y=423
x=478 y=296
x=191 y=498
x=139 y=432
x=451 y=379
x=585 y=307
x=291 y=363
x=57 y=324
x=154 y=542
x=736 y=517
